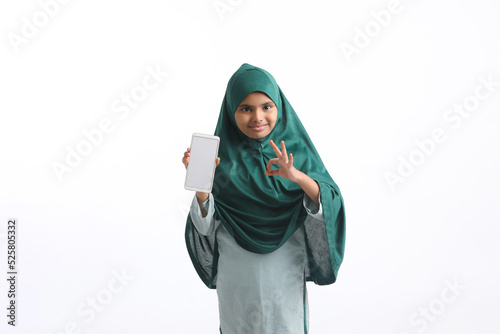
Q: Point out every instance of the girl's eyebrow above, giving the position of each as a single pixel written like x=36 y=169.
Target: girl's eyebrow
x=263 y=104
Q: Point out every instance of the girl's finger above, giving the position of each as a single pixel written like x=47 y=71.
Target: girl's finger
x=283 y=150
x=291 y=159
x=275 y=148
x=272 y=173
x=271 y=162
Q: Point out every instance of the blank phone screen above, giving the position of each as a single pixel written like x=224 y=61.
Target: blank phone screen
x=201 y=167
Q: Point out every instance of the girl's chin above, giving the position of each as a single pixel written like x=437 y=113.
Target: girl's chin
x=257 y=135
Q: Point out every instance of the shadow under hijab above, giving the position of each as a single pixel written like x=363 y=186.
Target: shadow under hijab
x=261 y=212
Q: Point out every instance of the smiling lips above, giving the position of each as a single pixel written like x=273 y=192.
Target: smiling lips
x=258 y=127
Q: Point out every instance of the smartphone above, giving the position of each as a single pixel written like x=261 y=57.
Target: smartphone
x=201 y=168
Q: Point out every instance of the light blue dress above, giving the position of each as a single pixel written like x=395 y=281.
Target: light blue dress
x=259 y=293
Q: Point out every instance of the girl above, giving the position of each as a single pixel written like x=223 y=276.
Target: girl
x=262 y=232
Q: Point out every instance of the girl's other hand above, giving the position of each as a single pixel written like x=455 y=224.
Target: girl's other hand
x=287 y=170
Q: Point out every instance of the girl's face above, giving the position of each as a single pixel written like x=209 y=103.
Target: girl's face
x=256 y=115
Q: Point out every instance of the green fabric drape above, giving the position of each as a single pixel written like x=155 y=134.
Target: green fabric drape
x=261 y=212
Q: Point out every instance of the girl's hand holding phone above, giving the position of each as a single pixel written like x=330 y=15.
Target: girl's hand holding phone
x=202 y=196
x=185 y=159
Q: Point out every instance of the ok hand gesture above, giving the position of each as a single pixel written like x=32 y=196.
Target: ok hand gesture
x=287 y=170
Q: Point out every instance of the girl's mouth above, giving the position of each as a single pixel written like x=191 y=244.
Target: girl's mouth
x=259 y=127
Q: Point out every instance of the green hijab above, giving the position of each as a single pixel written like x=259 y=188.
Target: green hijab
x=261 y=212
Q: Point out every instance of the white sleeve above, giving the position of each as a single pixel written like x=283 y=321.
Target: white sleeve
x=208 y=224
x=311 y=207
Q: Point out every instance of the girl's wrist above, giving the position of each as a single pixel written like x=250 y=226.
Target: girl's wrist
x=310 y=187
x=299 y=176
x=201 y=196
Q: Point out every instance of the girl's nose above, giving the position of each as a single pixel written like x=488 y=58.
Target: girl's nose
x=258 y=115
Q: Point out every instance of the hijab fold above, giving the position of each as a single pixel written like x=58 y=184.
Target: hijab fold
x=261 y=212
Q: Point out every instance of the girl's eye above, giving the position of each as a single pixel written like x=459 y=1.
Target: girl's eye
x=245 y=109
x=267 y=107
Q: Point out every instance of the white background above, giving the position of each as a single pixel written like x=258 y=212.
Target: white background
x=123 y=207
